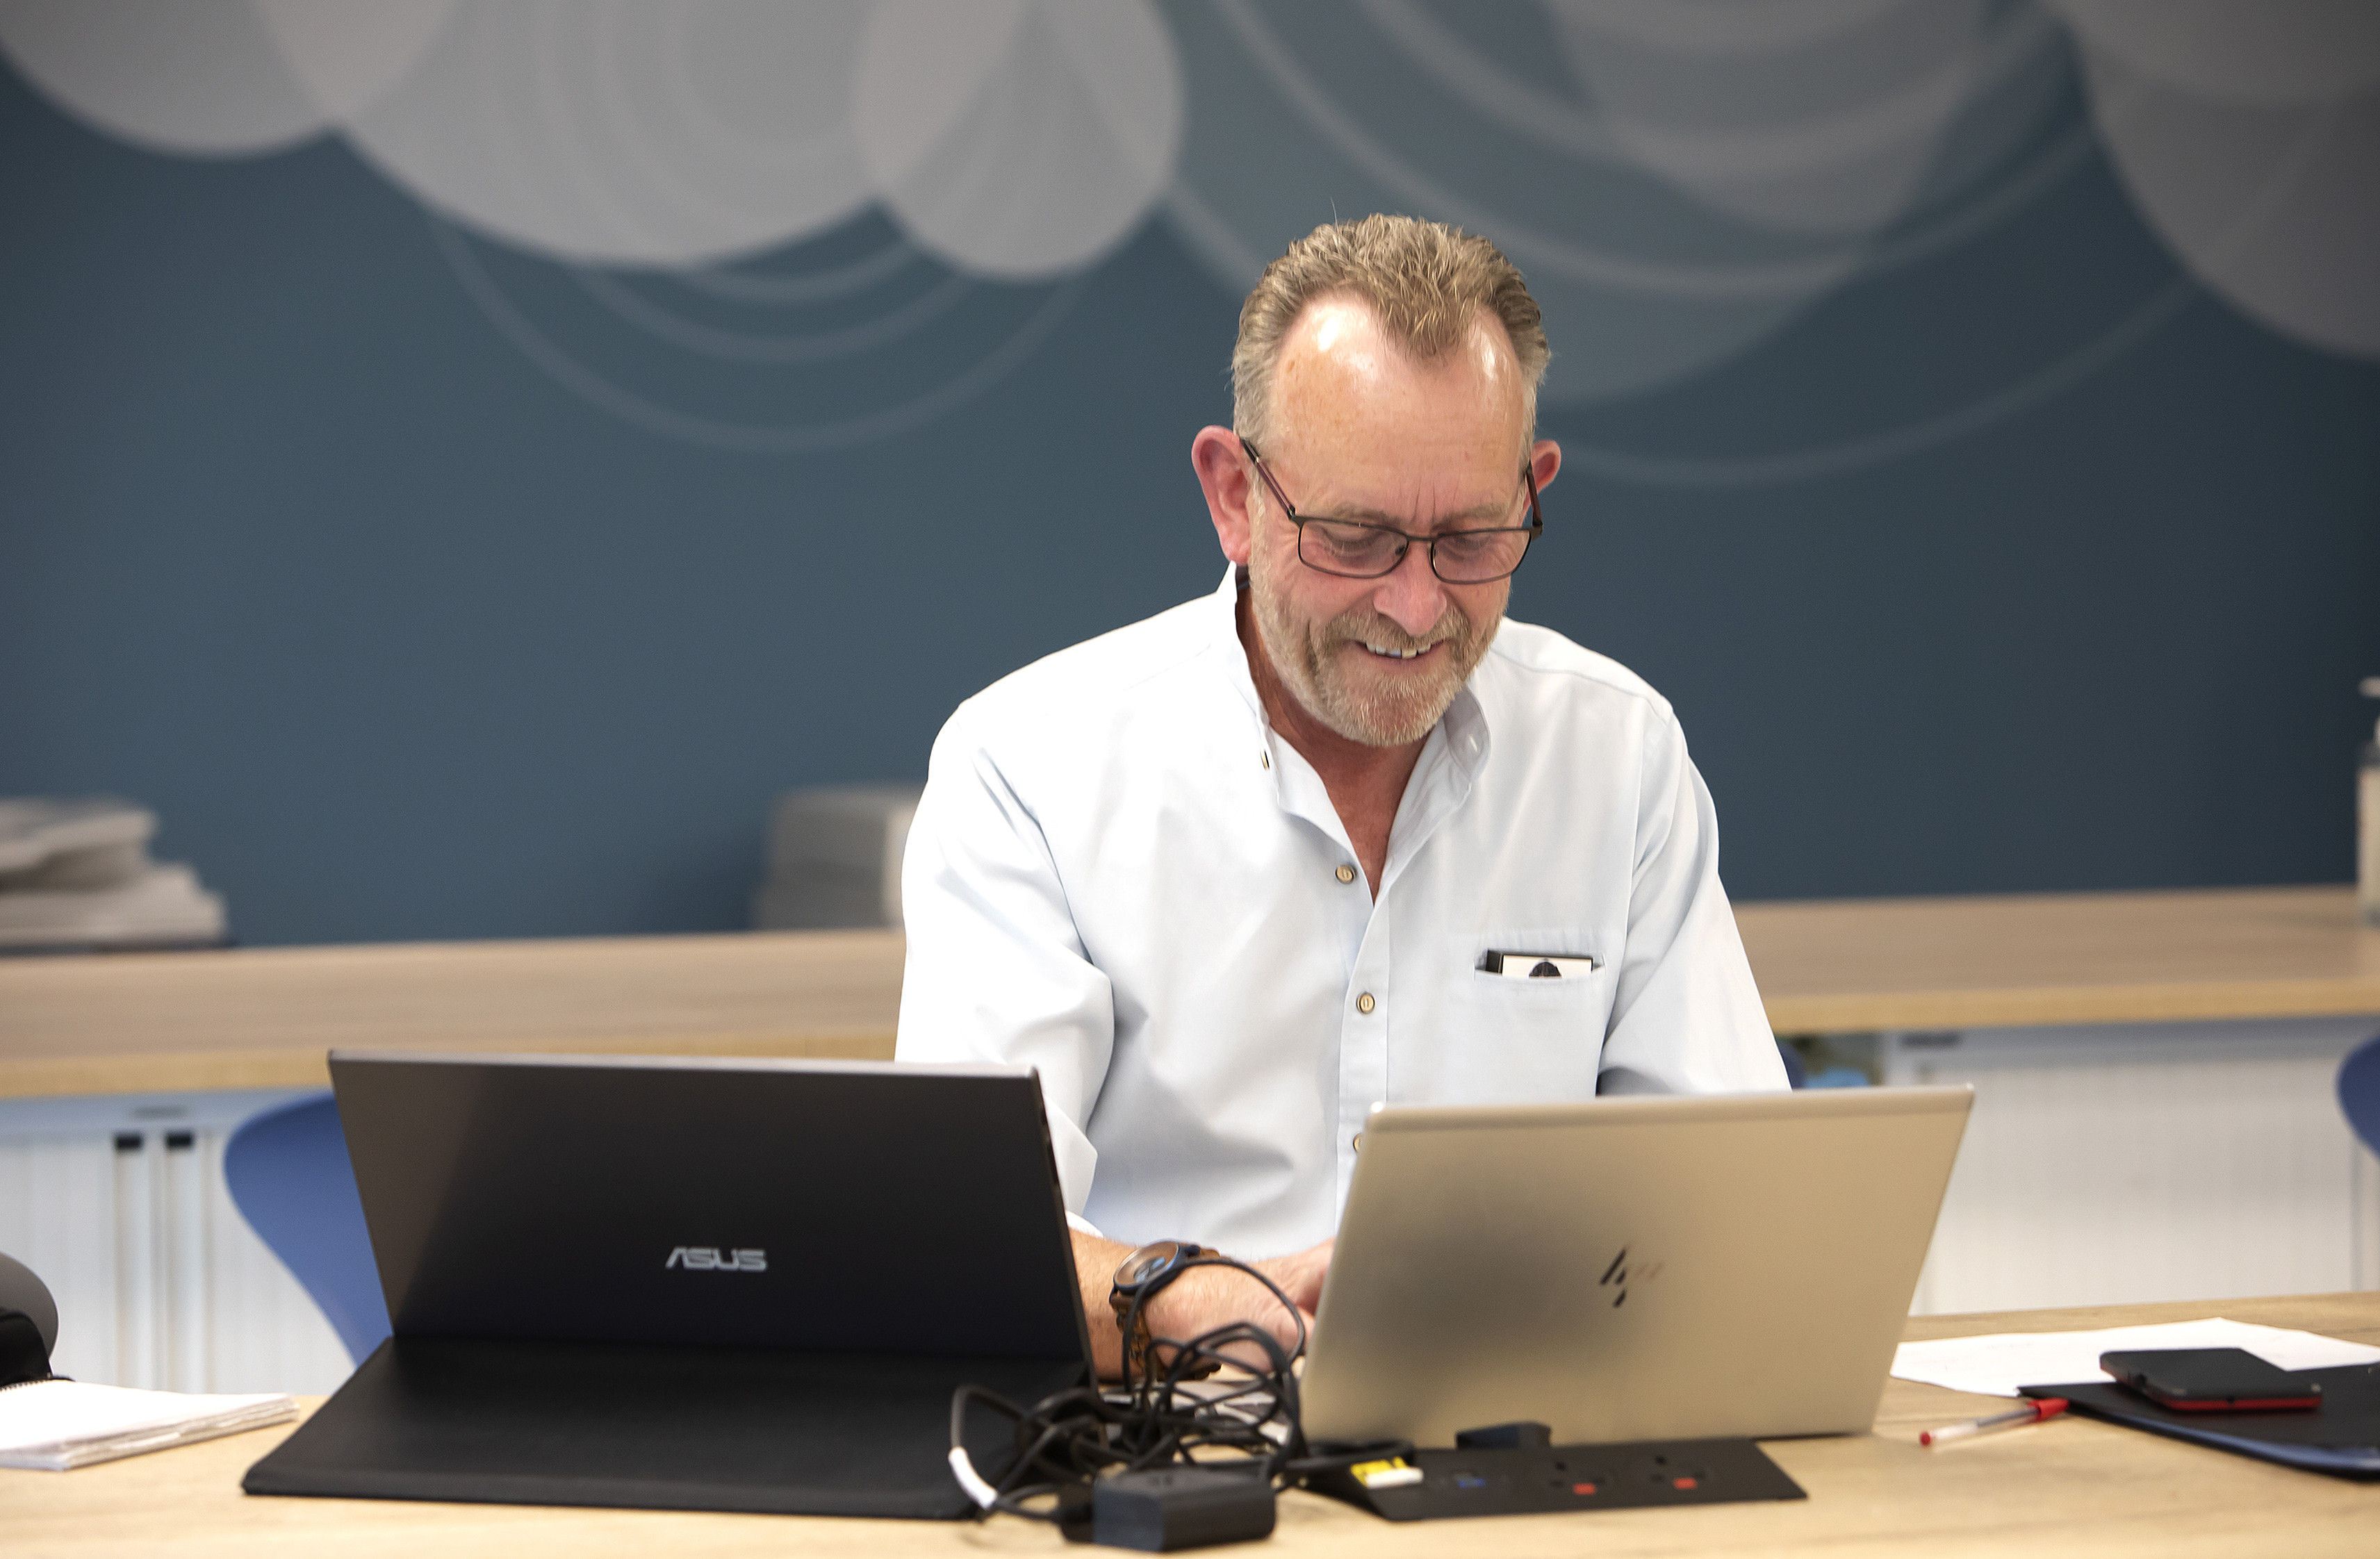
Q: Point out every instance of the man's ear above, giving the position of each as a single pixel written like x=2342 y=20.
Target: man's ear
x=1223 y=476
x=1545 y=462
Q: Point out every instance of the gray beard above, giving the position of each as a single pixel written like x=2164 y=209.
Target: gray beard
x=1305 y=662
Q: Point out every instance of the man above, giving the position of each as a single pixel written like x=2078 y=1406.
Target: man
x=1231 y=876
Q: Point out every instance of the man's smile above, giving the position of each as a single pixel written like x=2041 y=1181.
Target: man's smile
x=1361 y=672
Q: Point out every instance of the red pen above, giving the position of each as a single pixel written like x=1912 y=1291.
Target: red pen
x=2031 y=1412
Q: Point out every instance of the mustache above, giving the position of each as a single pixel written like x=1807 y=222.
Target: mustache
x=1370 y=627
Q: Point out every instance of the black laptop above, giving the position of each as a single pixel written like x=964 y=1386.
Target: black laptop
x=692 y=1284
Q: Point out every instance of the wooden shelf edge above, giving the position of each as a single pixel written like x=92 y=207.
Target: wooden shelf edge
x=1870 y=1013
x=206 y=1071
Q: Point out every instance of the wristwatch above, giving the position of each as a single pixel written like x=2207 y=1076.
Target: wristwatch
x=1143 y=1272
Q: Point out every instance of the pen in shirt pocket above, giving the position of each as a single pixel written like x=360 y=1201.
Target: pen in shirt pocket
x=1537 y=966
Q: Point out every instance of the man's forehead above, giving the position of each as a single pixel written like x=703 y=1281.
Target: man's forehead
x=1343 y=376
x=1342 y=330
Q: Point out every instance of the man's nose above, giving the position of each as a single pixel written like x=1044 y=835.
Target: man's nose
x=1411 y=596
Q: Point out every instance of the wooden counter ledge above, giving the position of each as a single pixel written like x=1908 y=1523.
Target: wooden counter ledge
x=1855 y=965
x=263 y=1017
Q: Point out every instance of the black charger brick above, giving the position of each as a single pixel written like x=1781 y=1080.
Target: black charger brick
x=1180 y=1507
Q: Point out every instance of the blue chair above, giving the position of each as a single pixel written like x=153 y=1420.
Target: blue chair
x=289 y=1176
x=1835 y=1074
x=2359 y=1092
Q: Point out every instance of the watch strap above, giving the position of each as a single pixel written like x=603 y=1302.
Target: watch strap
x=1127 y=1299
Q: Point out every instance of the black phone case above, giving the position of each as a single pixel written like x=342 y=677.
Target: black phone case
x=2211 y=1378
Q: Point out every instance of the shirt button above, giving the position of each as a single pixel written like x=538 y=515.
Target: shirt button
x=1365 y=1003
x=1346 y=873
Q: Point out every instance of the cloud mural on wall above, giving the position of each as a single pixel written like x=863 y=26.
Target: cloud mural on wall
x=2249 y=136
x=761 y=186
x=1017 y=138
x=1711 y=170
x=618 y=134
x=217 y=77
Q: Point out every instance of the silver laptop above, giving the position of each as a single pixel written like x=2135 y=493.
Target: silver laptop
x=1648 y=1268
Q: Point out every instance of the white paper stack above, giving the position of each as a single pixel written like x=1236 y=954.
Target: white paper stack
x=54 y=1425
x=77 y=874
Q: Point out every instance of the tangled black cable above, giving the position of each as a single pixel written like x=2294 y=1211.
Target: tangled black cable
x=1065 y=1443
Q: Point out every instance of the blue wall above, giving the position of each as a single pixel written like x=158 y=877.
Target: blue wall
x=402 y=638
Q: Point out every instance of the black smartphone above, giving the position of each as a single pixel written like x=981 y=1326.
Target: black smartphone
x=2212 y=1379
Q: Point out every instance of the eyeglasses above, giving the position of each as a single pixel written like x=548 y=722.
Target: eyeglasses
x=1359 y=549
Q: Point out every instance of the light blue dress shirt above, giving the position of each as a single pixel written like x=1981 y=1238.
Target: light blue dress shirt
x=1122 y=876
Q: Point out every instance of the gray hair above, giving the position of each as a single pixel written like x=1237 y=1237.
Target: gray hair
x=1425 y=281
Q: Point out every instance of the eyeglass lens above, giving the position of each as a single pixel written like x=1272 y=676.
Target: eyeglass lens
x=1460 y=557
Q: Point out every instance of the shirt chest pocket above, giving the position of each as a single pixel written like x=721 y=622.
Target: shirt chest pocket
x=1531 y=1030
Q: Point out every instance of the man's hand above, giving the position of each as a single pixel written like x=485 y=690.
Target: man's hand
x=1200 y=1300
x=1300 y=1275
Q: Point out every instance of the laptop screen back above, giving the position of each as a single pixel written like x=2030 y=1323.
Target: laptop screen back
x=1630 y=1269
x=839 y=1206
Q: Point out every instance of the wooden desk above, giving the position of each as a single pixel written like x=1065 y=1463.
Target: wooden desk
x=2073 y=1486
x=262 y=1017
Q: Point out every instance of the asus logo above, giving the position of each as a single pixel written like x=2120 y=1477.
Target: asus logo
x=709 y=1258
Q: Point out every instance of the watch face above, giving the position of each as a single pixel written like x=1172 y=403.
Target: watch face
x=1149 y=1262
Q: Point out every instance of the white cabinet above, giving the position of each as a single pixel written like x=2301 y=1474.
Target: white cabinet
x=118 y=1202
x=2131 y=1163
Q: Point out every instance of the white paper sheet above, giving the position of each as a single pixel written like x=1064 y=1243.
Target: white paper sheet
x=1995 y=1365
x=54 y=1425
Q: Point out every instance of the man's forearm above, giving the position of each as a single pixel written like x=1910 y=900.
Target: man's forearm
x=1198 y=1302
x=1095 y=1264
